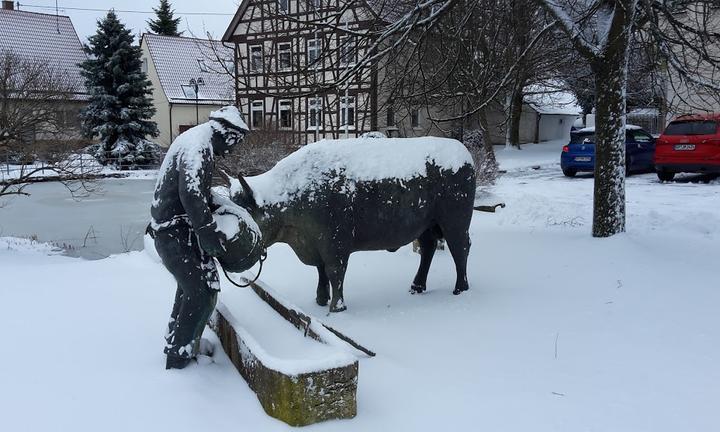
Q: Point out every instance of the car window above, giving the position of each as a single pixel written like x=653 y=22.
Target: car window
x=691 y=127
x=579 y=138
x=641 y=137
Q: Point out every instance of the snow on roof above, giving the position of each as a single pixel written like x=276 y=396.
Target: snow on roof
x=177 y=60
x=552 y=99
x=591 y=129
x=38 y=36
x=645 y=111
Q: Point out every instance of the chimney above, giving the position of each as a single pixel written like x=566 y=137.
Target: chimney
x=8 y=5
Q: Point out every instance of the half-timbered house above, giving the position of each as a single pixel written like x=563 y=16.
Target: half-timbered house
x=285 y=69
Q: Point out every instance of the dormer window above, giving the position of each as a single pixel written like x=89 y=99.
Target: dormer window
x=189 y=92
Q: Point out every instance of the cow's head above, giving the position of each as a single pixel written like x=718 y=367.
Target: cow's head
x=242 y=194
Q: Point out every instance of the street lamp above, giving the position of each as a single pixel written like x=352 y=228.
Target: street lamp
x=196 y=83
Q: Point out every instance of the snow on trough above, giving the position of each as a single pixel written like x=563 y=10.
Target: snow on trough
x=358 y=159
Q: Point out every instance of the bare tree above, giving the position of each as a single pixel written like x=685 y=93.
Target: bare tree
x=32 y=94
x=33 y=103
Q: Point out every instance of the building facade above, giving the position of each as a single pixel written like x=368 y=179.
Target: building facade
x=286 y=69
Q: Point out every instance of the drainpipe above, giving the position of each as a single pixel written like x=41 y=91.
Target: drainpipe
x=171 y=125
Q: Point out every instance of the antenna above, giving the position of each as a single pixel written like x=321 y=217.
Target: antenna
x=57 y=16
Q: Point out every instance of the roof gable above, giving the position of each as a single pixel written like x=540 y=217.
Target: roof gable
x=177 y=60
x=387 y=11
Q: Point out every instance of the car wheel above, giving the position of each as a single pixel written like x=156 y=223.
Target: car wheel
x=665 y=176
x=569 y=172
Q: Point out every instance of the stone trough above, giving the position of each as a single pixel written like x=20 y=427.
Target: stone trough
x=302 y=371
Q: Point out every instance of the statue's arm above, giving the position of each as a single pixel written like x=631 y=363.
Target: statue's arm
x=195 y=189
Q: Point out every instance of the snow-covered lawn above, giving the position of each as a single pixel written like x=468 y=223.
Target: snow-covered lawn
x=559 y=331
x=543 y=155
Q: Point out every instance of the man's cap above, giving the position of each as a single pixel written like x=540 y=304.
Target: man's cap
x=230 y=118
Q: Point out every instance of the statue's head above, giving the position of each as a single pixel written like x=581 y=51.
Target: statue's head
x=229 y=129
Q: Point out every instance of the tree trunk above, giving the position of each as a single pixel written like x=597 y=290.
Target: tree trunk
x=516 y=114
x=610 y=82
x=507 y=108
x=485 y=127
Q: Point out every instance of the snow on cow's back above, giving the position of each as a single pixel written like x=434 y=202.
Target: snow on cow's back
x=359 y=159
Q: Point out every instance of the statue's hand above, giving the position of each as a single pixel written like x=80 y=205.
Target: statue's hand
x=211 y=239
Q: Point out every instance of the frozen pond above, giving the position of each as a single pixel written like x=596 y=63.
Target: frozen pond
x=107 y=222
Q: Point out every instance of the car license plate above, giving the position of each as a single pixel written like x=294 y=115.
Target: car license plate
x=684 y=147
x=582 y=159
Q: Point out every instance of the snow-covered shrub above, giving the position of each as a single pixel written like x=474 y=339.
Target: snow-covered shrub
x=127 y=155
x=486 y=167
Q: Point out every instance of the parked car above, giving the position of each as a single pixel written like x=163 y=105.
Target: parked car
x=579 y=154
x=690 y=143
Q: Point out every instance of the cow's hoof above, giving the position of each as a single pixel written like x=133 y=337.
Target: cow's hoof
x=417 y=289
x=321 y=301
x=338 y=307
x=457 y=291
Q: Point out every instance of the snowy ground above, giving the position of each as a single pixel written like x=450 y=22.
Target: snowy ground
x=559 y=332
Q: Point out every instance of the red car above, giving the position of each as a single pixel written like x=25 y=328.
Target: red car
x=690 y=143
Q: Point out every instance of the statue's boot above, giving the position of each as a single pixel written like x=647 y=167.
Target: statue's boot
x=177 y=362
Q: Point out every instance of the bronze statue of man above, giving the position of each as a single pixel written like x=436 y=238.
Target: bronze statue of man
x=186 y=236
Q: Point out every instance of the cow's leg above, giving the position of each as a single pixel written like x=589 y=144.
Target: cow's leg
x=428 y=244
x=458 y=241
x=323 y=287
x=336 y=275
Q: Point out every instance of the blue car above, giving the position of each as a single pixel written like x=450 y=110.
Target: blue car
x=579 y=154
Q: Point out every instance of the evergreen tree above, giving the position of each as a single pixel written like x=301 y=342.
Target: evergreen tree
x=120 y=105
x=164 y=24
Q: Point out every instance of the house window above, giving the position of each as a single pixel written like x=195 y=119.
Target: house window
x=284 y=56
x=285 y=114
x=283 y=6
x=348 y=53
x=202 y=65
x=257 y=111
x=189 y=91
x=315 y=113
x=256 y=58
x=314 y=47
x=313 y=5
x=347 y=111
x=390 y=117
x=415 y=118
x=144 y=64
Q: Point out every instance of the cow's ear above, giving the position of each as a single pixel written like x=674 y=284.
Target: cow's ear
x=244 y=196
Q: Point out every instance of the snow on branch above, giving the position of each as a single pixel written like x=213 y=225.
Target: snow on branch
x=573 y=30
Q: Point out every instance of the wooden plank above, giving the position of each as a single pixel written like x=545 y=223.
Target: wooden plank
x=304 y=322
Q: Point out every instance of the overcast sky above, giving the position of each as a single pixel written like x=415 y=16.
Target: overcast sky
x=86 y=21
